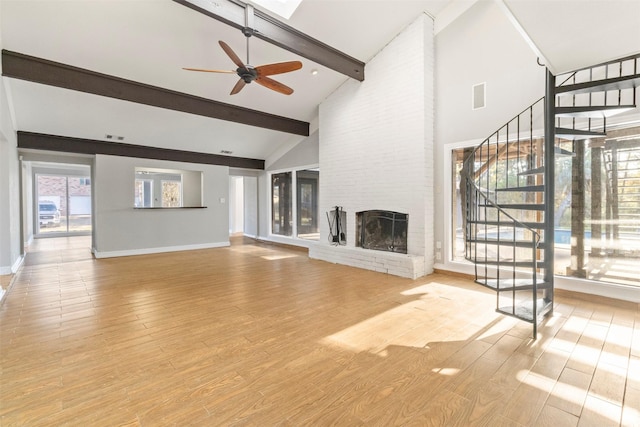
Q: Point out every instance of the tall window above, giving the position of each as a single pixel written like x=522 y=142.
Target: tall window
x=597 y=208
x=281 y=218
x=143 y=193
x=294 y=204
x=171 y=194
x=596 y=203
x=307 y=182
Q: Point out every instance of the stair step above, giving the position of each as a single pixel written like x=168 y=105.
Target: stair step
x=614 y=83
x=566 y=133
x=562 y=152
x=524 y=188
x=534 y=225
x=535 y=171
x=513 y=285
x=525 y=206
x=508 y=243
x=524 y=311
x=593 y=111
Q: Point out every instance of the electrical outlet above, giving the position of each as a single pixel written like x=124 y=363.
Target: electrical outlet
x=438 y=256
x=438 y=244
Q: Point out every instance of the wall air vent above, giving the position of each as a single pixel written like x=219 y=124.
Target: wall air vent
x=478 y=96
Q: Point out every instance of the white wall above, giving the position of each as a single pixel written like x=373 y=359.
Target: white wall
x=10 y=228
x=376 y=140
x=122 y=230
x=480 y=46
x=305 y=153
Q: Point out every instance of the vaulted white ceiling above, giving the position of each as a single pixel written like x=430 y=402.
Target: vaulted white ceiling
x=149 y=41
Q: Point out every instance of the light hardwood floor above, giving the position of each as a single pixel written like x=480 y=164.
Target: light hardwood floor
x=260 y=335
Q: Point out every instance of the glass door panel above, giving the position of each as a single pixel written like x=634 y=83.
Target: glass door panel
x=63 y=204
x=79 y=216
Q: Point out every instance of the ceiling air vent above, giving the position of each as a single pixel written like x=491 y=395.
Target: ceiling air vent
x=226 y=152
x=478 y=96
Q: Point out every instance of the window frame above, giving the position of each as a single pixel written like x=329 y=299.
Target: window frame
x=294 y=201
x=588 y=286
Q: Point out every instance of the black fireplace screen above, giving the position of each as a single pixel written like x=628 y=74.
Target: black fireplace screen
x=382 y=231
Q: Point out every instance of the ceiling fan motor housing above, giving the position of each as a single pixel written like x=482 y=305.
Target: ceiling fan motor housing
x=248 y=74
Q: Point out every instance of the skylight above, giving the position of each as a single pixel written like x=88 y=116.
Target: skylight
x=284 y=8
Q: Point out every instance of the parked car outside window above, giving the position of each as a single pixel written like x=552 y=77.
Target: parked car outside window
x=49 y=214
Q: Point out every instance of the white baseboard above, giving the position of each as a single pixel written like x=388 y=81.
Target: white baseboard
x=6 y=270
x=16 y=265
x=147 y=251
x=603 y=289
x=293 y=241
x=591 y=287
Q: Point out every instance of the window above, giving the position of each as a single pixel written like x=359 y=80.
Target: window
x=597 y=208
x=171 y=194
x=143 y=193
x=281 y=218
x=596 y=203
x=294 y=204
x=307 y=182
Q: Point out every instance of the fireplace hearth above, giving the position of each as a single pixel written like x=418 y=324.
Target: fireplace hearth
x=382 y=230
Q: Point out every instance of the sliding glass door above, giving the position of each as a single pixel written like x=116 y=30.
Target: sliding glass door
x=63 y=204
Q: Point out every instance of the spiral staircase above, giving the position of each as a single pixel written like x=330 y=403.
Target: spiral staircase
x=508 y=183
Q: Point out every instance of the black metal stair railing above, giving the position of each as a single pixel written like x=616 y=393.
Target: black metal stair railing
x=587 y=97
x=509 y=183
x=504 y=214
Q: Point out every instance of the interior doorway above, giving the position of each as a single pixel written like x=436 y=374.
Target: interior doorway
x=243 y=206
x=236 y=205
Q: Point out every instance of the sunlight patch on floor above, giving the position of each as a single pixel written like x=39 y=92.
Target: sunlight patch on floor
x=414 y=325
x=277 y=257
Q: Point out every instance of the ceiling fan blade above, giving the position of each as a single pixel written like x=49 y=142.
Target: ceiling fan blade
x=274 y=85
x=236 y=60
x=209 y=71
x=238 y=87
x=278 y=68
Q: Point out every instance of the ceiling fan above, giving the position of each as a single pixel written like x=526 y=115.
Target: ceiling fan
x=259 y=74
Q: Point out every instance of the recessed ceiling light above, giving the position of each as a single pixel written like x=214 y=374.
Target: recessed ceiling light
x=314 y=72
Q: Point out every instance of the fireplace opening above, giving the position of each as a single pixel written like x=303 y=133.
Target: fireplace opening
x=382 y=230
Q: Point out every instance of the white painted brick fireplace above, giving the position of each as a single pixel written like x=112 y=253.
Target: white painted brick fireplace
x=376 y=152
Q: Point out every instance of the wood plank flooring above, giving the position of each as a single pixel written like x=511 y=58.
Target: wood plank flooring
x=260 y=335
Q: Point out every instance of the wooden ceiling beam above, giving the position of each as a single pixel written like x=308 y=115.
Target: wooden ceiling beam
x=39 y=141
x=267 y=28
x=30 y=68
